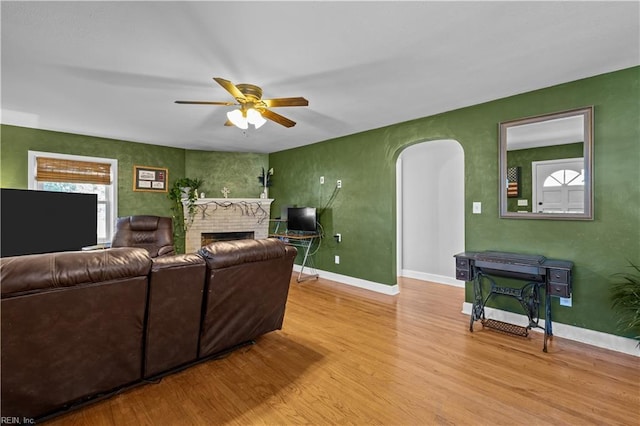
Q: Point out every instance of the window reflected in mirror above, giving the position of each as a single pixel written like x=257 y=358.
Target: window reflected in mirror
x=545 y=166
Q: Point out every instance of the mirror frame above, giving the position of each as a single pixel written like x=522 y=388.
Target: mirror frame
x=587 y=113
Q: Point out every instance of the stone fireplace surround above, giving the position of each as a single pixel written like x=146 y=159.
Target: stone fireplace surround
x=220 y=215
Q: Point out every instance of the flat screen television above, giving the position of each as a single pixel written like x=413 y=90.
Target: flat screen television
x=34 y=222
x=302 y=219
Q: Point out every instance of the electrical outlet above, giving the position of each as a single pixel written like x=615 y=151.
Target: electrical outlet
x=524 y=202
x=477 y=207
x=337 y=260
x=339 y=183
x=565 y=301
x=321 y=180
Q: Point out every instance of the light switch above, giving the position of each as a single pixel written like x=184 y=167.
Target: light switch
x=477 y=207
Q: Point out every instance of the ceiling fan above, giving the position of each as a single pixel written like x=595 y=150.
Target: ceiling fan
x=252 y=108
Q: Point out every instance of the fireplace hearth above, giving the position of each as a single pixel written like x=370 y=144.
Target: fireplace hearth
x=211 y=237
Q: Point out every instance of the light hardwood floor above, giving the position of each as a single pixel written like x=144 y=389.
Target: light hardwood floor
x=350 y=356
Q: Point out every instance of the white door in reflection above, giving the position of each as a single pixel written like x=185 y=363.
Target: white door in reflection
x=558 y=186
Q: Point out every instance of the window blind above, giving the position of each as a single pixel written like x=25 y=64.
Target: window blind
x=59 y=170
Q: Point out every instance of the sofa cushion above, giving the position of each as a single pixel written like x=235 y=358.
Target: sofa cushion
x=24 y=274
x=245 y=293
x=174 y=312
x=61 y=346
x=223 y=254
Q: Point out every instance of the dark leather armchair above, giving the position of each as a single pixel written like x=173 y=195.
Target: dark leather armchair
x=153 y=233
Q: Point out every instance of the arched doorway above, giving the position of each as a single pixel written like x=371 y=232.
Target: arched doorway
x=430 y=210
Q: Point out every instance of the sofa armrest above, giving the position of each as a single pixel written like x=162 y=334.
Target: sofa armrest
x=176 y=260
x=100 y=246
x=166 y=251
x=224 y=254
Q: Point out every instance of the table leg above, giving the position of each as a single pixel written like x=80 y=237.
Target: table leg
x=477 y=309
x=548 y=327
x=307 y=246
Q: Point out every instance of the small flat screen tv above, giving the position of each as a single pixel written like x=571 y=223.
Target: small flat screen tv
x=301 y=219
x=34 y=222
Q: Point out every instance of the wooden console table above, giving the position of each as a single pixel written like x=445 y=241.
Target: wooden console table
x=539 y=273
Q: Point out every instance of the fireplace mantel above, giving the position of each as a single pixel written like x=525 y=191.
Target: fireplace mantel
x=228 y=215
x=261 y=201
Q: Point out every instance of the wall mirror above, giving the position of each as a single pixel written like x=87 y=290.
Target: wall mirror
x=546 y=166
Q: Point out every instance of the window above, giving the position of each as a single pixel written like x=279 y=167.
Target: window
x=73 y=173
x=564 y=177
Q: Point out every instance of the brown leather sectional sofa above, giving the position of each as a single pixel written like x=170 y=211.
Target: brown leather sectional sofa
x=77 y=326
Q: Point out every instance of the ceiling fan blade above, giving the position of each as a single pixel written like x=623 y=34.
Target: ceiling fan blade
x=230 y=87
x=205 y=103
x=286 y=102
x=270 y=115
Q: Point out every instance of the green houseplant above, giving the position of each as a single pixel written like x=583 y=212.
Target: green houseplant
x=265 y=180
x=183 y=195
x=625 y=298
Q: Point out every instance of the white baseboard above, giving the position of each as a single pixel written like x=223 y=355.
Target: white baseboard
x=356 y=282
x=434 y=278
x=582 y=335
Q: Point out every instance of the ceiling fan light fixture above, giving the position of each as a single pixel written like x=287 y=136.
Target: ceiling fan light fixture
x=254 y=117
x=238 y=119
x=252 y=108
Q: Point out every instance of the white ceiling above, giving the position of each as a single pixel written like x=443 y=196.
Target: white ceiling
x=114 y=69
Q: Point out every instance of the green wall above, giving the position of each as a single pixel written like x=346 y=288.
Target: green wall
x=364 y=209
x=523 y=158
x=237 y=171
x=16 y=141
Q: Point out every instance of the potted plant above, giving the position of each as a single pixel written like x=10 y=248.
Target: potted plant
x=625 y=297
x=265 y=181
x=183 y=194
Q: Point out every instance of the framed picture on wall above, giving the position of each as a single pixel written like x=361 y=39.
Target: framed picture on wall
x=150 y=179
x=513 y=182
